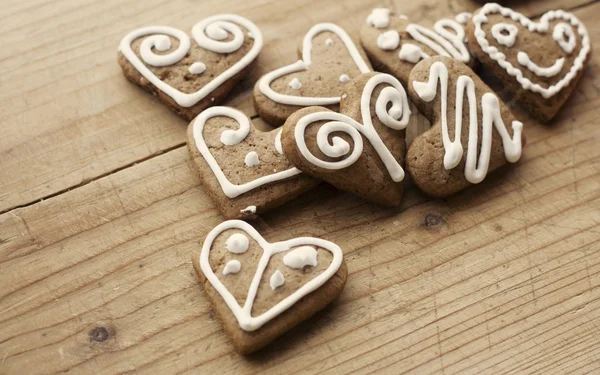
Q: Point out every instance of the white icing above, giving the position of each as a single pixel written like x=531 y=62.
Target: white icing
x=278 y=142
x=329 y=42
x=277 y=280
x=156 y=36
x=389 y=40
x=237 y=243
x=396 y=117
x=411 y=53
x=251 y=159
x=301 y=257
x=233 y=266
x=379 y=18
x=540 y=27
x=197 y=68
x=231 y=137
x=304 y=64
x=344 y=78
x=561 y=31
x=475 y=170
x=509 y=39
x=441 y=40
x=551 y=71
x=463 y=18
x=403 y=17
x=243 y=314
x=250 y=35
x=295 y=84
x=249 y=210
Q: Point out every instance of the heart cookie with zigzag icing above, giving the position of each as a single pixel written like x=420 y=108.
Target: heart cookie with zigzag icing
x=261 y=289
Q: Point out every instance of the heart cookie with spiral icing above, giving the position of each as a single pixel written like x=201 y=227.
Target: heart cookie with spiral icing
x=261 y=289
x=361 y=149
x=395 y=45
x=187 y=75
x=242 y=169
x=472 y=133
x=329 y=60
x=538 y=62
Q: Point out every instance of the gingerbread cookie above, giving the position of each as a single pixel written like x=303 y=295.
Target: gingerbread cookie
x=540 y=63
x=330 y=59
x=242 y=169
x=394 y=44
x=472 y=133
x=361 y=149
x=191 y=76
x=260 y=290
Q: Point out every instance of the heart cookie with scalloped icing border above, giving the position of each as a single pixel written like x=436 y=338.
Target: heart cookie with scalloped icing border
x=539 y=62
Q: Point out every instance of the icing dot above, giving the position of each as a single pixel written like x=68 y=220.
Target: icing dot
x=301 y=257
x=277 y=280
x=403 y=17
x=505 y=33
x=215 y=32
x=251 y=159
x=329 y=42
x=229 y=137
x=295 y=84
x=411 y=53
x=379 y=18
x=237 y=243
x=278 y=143
x=163 y=43
x=344 y=78
x=233 y=266
x=250 y=35
x=463 y=18
x=248 y=210
x=197 y=68
x=389 y=40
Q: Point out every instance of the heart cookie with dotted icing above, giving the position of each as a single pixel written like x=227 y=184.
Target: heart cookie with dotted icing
x=473 y=132
x=242 y=169
x=395 y=45
x=539 y=62
x=261 y=289
x=361 y=149
x=329 y=60
x=187 y=75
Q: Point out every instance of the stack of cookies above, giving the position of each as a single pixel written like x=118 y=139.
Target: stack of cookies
x=340 y=114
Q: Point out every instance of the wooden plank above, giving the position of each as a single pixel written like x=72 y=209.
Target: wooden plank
x=69 y=117
x=502 y=278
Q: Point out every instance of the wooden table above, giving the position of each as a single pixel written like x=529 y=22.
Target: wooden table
x=100 y=208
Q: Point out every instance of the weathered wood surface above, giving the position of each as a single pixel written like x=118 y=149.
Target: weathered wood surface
x=102 y=208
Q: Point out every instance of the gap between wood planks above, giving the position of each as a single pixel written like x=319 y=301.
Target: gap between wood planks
x=183 y=144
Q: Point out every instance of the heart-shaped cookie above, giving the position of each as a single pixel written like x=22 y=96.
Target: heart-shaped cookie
x=242 y=169
x=190 y=77
x=260 y=289
x=472 y=131
x=361 y=149
x=539 y=62
x=394 y=44
x=330 y=59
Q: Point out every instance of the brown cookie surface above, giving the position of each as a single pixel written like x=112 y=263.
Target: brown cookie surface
x=300 y=277
x=539 y=62
x=191 y=74
x=440 y=161
x=360 y=150
x=395 y=45
x=329 y=60
x=242 y=169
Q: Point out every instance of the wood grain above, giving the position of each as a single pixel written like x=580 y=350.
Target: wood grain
x=96 y=278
